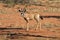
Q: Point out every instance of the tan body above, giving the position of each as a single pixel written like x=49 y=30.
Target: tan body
x=30 y=16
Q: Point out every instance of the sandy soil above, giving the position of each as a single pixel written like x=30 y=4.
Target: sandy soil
x=11 y=18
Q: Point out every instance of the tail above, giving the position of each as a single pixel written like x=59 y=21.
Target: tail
x=41 y=17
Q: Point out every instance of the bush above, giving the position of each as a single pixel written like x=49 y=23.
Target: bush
x=13 y=2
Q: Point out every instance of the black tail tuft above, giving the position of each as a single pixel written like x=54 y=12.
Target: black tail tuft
x=41 y=17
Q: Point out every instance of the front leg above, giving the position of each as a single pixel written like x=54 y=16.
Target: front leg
x=27 y=26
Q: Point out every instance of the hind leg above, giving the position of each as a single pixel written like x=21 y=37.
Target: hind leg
x=37 y=26
x=40 y=26
x=36 y=17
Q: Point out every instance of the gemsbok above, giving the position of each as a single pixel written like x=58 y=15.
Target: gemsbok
x=30 y=16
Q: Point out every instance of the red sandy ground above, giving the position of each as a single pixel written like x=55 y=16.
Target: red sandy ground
x=12 y=17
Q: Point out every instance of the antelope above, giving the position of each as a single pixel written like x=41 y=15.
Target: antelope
x=29 y=16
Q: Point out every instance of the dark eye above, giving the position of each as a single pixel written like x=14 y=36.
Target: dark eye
x=19 y=10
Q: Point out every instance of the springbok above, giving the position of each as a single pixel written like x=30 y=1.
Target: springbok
x=29 y=16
